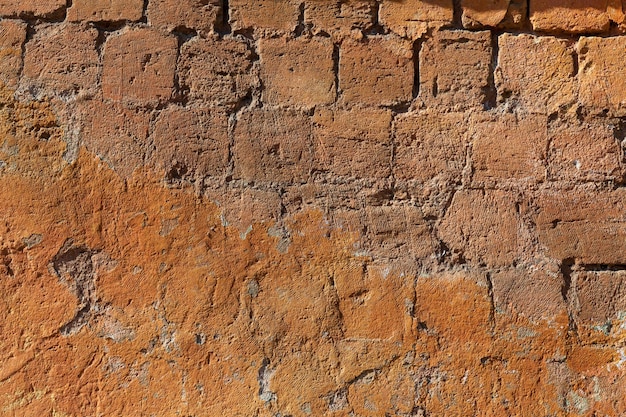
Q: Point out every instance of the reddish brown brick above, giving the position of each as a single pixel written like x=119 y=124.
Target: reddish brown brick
x=602 y=86
x=139 y=66
x=297 y=72
x=339 y=17
x=430 y=145
x=191 y=142
x=600 y=296
x=482 y=227
x=493 y=13
x=376 y=71
x=353 y=144
x=39 y=8
x=279 y=15
x=454 y=69
x=217 y=72
x=116 y=134
x=12 y=38
x=569 y=16
x=110 y=11
x=412 y=18
x=200 y=15
x=508 y=147
x=62 y=59
x=585 y=225
x=585 y=152
x=273 y=146
x=535 y=72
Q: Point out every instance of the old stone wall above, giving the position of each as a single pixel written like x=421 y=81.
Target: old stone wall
x=312 y=208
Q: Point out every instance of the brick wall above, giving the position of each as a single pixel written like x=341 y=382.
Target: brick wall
x=312 y=208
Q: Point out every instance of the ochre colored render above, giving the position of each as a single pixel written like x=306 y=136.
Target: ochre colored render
x=281 y=208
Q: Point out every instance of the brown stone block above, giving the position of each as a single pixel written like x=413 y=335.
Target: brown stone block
x=353 y=143
x=507 y=147
x=412 y=18
x=116 y=134
x=200 y=15
x=493 y=13
x=273 y=146
x=339 y=17
x=535 y=72
x=139 y=66
x=62 y=59
x=430 y=145
x=482 y=227
x=281 y=15
x=600 y=296
x=585 y=152
x=569 y=16
x=191 y=142
x=588 y=226
x=38 y=8
x=602 y=84
x=298 y=72
x=12 y=38
x=216 y=72
x=455 y=69
x=110 y=11
x=376 y=71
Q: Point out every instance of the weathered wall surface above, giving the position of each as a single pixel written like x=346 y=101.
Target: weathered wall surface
x=312 y=208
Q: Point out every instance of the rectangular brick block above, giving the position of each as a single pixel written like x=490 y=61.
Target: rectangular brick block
x=12 y=38
x=454 y=69
x=430 y=145
x=585 y=152
x=191 y=143
x=217 y=72
x=508 y=147
x=62 y=60
x=273 y=146
x=602 y=85
x=338 y=18
x=569 y=16
x=281 y=15
x=200 y=15
x=413 y=18
x=139 y=66
x=536 y=73
x=600 y=296
x=585 y=225
x=24 y=8
x=482 y=227
x=376 y=71
x=297 y=72
x=354 y=144
x=109 y=11
x=506 y=14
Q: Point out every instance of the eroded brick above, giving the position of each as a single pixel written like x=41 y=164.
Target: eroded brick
x=279 y=15
x=200 y=15
x=600 y=296
x=273 y=146
x=482 y=227
x=430 y=145
x=191 y=143
x=12 y=38
x=493 y=13
x=297 y=72
x=217 y=72
x=139 y=66
x=413 y=18
x=62 y=60
x=339 y=17
x=535 y=72
x=376 y=71
x=454 y=69
x=38 y=8
x=569 y=16
x=110 y=11
x=508 y=147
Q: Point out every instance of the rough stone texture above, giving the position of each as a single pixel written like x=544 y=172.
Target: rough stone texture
x=110 y=11
x=378 y=70
x=341 y=208
x=297 y=72
x=139 y=66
